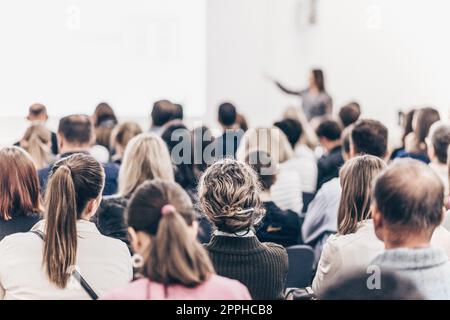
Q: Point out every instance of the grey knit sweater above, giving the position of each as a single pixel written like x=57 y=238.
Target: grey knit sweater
x=428 y=268
x=262 y=267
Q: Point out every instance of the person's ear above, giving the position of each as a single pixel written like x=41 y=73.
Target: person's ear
x=352 y=152
x=140 y=241
x=92 y=206
x=194 y=229
x=134 y=240
x=60 y=140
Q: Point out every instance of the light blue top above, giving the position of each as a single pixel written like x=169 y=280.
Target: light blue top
x=428 y=268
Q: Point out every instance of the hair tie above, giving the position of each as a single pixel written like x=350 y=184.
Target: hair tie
x=167 y=209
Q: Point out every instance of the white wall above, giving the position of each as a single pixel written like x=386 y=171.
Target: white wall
x=386 y=54
x=246 y=41
x=72 y=54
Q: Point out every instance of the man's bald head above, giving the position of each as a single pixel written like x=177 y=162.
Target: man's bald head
x=409 y=195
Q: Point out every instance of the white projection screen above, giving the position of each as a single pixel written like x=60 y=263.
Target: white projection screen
x=71 y=55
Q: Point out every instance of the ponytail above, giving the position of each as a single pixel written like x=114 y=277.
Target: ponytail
x=60 y=247
x=174 y=257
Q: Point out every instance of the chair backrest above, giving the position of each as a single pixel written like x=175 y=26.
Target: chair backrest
x=301 y=259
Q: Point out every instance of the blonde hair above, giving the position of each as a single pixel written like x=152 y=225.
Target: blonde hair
x=123 y=133
x=229 y=196
x=357 y=176
x=36 y=142
x=270 y=140
x=146 y=157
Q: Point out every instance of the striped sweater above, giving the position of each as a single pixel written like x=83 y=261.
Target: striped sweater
x=262 y=267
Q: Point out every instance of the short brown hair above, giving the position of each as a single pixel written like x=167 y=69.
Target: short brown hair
x=77 y=129
x=19 y=184
x=410 y=195
x=174 y=256
x=229 y=196
x=369 y=137
x=350 y=113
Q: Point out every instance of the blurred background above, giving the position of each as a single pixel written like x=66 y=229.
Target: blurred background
x=72 y=54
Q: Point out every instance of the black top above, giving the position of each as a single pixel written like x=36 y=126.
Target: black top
x=262 y=267
x=110 y=218
x=279 y=226
x=329 y=166
x=22 y=223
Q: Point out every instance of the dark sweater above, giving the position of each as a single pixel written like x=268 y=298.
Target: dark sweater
x=17 y=224
x=262 y=267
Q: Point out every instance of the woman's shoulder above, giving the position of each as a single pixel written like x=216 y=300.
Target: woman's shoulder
x=275 y=249
x=135 y=290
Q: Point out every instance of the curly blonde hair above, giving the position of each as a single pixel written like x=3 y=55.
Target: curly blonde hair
x=229 y=196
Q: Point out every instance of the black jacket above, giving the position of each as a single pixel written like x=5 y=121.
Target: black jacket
x=329 y=166
x=279 y=226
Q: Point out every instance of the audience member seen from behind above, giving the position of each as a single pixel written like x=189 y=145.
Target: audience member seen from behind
x=163 y=229
x=287 y=190
x=228 y=142
x=366 y=137
x=146 y=158
x=37 y=115
x=389 y=286
x=121 y=135
x=20 y=207
x=34 y=268
x=304 y=157
x=229 y=196
x=350 y=113
x=104 y=120
x=278 y=226
x=75 y=135
x=354 y=245
x=329 y=133
x=408 y=207
x=415 y=145
x=37 y=142
x=162 y=113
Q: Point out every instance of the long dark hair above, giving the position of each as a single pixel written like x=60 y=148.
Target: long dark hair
x=73 y=182
x=319 y=79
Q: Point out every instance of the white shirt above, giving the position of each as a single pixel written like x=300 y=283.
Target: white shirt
x=104 y=262
x=287 y=190
x=306 y=163
x=442 y=171
x=344 y=254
